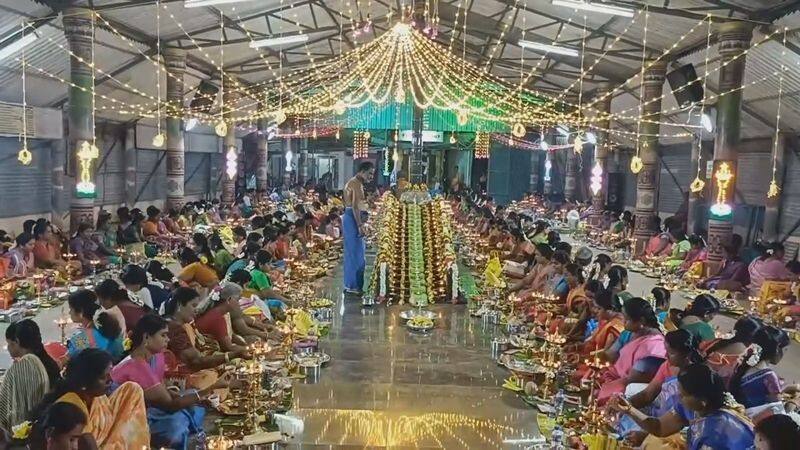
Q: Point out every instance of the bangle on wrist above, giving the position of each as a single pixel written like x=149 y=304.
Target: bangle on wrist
x=227 y=357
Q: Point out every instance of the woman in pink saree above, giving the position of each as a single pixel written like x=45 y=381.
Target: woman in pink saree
x=640 y=358
x=769 y=267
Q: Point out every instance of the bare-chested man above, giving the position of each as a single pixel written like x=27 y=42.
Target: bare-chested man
x=355 y=215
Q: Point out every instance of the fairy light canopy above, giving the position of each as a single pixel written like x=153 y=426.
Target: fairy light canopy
x=486 y=34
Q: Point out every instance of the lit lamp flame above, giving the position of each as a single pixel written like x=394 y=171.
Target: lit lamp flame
x=724 y=176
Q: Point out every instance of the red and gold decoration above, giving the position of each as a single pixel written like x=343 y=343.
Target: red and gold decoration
x=482 y=144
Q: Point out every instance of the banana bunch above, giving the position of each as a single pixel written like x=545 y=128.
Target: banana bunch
x=302 y=322
x=494 y=273
x=513 y=383
x=421 y=322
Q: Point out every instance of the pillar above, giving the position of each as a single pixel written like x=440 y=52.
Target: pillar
x=59 y=156
x=229 y=149
x=772 y=213
x=603 y=108
x=535 y=165
x=733 y=38
x=129 y=160
x=647 y=180
x=571 y=175
x=261 y=158
x=548 y=173
x=175 y=63
x=78 y=31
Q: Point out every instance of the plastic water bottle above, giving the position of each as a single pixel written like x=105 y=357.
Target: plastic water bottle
x=558 y=403
x=557 y=438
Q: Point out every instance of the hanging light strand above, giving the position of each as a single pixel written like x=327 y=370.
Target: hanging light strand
x=774 y=189
x=24 y=156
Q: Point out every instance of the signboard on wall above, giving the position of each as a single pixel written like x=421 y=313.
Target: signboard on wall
x=427 y=136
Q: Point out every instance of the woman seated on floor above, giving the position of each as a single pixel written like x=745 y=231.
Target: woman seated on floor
x=697 y=315
x=705 y=408
x=117 y=301
x=261 y=282
x=97 y=328
x=754 y=383
x=31 y=375
x=723 y=355
x=733 y=274
x=220 y=318
x=695 y=258
x=639 y=359
x=193 y=356
x=141 y=290
x=115 y=420
x=609 y=323
x=660 y=395
x=196 y=273
x=172 y=415
x=768 y=267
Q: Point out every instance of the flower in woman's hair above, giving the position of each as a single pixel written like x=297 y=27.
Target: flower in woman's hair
x=753 y=355
x=127 y=344
x=22 y=430
x=204 y=259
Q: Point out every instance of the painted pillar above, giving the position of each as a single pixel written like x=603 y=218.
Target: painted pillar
x=571 y=175
x=78 y=31
x=175 y=63
x=601 y=154
x=261 y=159
x=534 y=178
x=772 y=213
x=647 y=180
x=733 y=38
x=229 y=149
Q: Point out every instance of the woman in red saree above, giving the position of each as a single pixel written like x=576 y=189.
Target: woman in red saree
x=606 y=309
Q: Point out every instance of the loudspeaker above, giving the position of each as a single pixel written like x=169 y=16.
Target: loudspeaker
x=204 y=97
x=616 y=191
x=685 y=86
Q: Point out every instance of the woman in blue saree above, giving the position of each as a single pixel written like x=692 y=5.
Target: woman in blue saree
x=172 y=416
x=754 y=384
x=705 y=408
x=97 y=328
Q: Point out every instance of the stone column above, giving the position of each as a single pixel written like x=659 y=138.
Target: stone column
x=59 y=156
x=733 y=38
x=228 y=147
x=601 y=154
x=534 y=178
x=78 y=31
x=175 y=63
x=772 y=213
x=571 y=175
x=647 y=180
x=261 y=159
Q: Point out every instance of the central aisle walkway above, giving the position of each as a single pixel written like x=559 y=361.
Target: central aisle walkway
x=389 y=388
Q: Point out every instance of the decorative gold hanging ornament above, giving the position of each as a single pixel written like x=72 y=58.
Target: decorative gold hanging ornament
x=221 y=128
x=462 y=117
x=577 y=145
x=158 y=140
x=697 y=185
x=280 y=117
x=636 y=164
x=518 y=130
x=453 y=139
x=339 y=107
x=772 y=192
x=24 y=156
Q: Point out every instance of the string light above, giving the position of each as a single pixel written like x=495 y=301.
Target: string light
x=24 y=156
x=597 y=178
x=88 y=151
x=774 y=189
x=221 y=128
x=482 y=144
x=361 y=144
x=636 y=162
x=159 y=139
x=698 y=184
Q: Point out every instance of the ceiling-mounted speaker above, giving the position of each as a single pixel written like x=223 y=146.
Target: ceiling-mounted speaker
x=685 y=86
x=204 y=97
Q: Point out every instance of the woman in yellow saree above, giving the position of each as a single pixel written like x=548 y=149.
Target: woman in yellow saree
x=116 y=421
